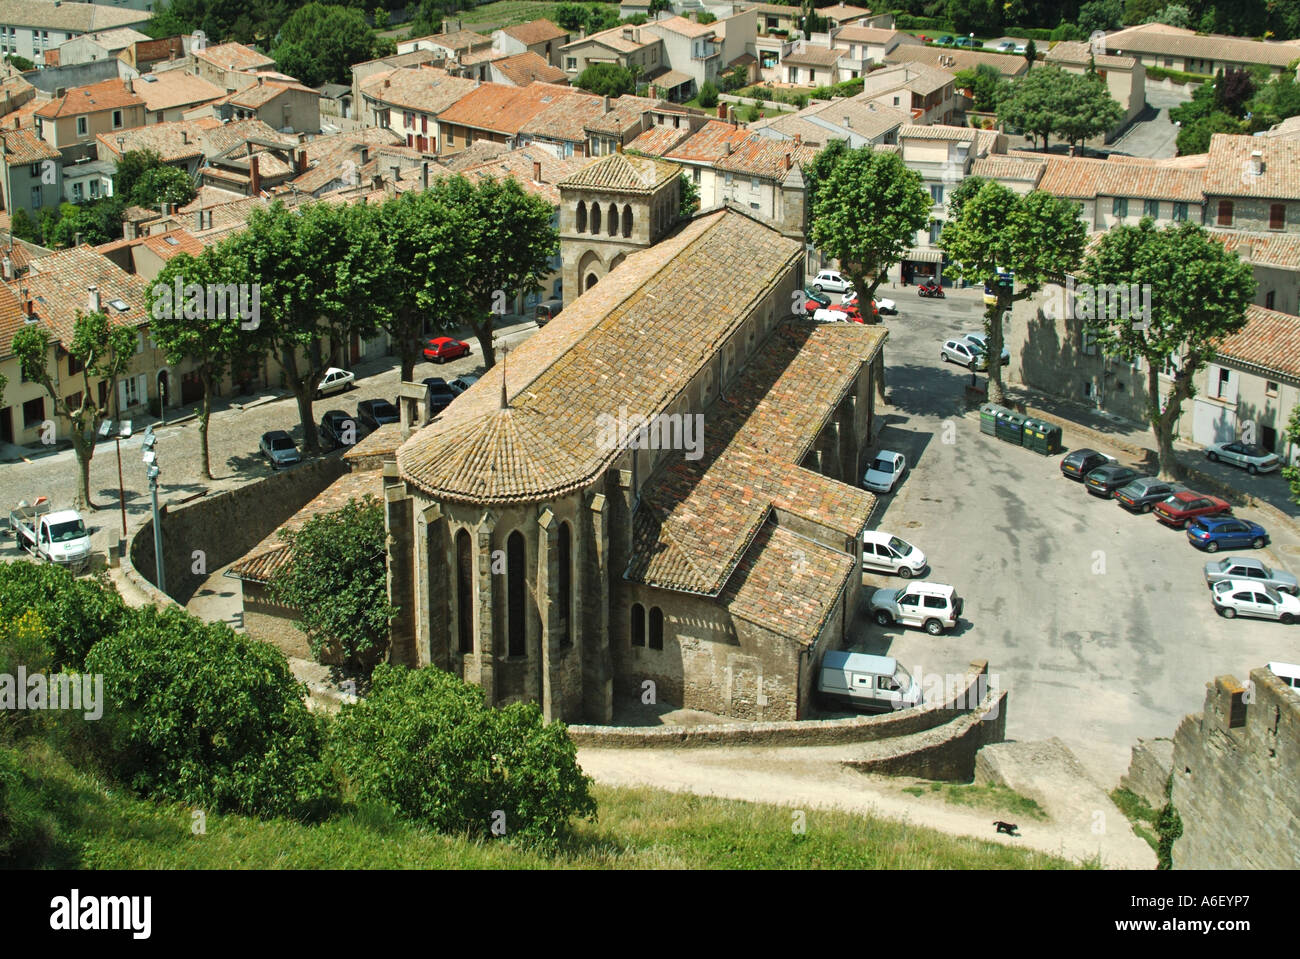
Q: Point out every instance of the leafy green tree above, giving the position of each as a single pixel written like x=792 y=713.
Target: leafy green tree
x=104 y=351
x=163 y=185
x=708 y=97
x=704 y=16
x=974 y=16
x=1035 y=237
x=75 y=612
x=1143 y=11
x=868 y=210
x=660 y=6
x=21 y=64
x=3 y=383
x=210 y=343
x=1100 y=15
x=319 y=42
x=962 y=192
x=198 y=714
x=735 y=78
x=131 y=167
x=688 y=203
x=1232 y=89
x=1067 y=31
x=752 y=112
x=1195 y=137
x=1175 y=15
x=816 y=172
x=1031 y=54
x=1086 y=109
x=424 y=745
x=1291 y=473
x=571 y=16
x=1198 y=293
x=1274 y=102
x=606 y=79
x=337 y=580
x=381 y=18
x=1032 y=102
x=22 y=227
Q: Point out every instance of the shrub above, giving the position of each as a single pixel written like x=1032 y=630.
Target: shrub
x=25 y=643
x=708 y=97
x=751 y=113
x=199 y=714
x=425 y=745
x=1067 y=31
x=26 y=830
x=77 y=613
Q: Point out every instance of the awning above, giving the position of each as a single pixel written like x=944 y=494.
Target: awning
x=925 y=256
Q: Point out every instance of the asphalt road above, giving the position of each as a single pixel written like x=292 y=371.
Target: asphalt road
x=1097 y=621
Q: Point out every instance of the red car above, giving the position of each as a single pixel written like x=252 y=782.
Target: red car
x=851 y=307
x=440 y=349
x=1181 y=507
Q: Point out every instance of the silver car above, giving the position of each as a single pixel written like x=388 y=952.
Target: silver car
x=278 y=447
x=979 y=340
x=1253 y=459
x=964 y=353
x=1246 y=568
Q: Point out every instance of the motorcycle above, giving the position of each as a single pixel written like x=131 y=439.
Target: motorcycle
x=930 y=288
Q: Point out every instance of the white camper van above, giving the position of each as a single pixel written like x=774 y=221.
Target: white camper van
x=1287 y=672
x=874 y=683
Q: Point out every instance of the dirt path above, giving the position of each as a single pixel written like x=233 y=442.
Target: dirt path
x=812 y=777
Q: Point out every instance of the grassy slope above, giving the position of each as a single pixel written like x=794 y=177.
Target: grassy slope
x=638 y=829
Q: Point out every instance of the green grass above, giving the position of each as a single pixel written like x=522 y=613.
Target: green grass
x=90 y=826
x=1138 y=812
x=506 y=13
x=996 y=798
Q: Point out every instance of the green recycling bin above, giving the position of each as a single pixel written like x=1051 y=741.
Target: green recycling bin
x=1042 y=437
x=1011 y=427
x=989 y=417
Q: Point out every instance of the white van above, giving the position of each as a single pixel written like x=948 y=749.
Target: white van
x=1289 y=673
x=873 y=683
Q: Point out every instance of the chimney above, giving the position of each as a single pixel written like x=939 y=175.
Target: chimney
x=76 y=240
x=29 y=309
x=798 y=139
x=1245 y=251
x=396 y=171
x=848 y=122
x=199 y=222
x=387 y=83
x=302 y=162
x=8 y=268
x=18 y=125
x=254 y=176
x=1256 y=162
x=731 y=114
x=424 y=175
x=619 y=147
x=377 y=181
x=608 y=105
x=537 y=171
x=872 y=106
x=365 y=155
x=722 y=111
x=787 y=161
x=259 y=80
x=730 y=147
x=128 y=84
x=92 y=298
x=185 y=137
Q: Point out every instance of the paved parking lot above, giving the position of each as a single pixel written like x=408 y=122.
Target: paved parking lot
x=1098 y=621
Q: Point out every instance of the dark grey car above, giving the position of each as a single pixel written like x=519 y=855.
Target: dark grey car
x=373 y=414
x=1252 y=570
x=1144 y=492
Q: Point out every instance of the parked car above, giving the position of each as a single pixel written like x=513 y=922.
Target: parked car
x=1212 y=533
x=821 y=299
x=1020 y=50
x=1144 y=492
x=1235 y=597
x=887 y=553
x=339 y=428
x=279 y=449
x=932 y=606
x=373 y=414
x=885 y=471
x=440 y=349
x=1105 y=480
x=964 y=353
x=979 y=340
x=1289 y=673
x=1249 y=456
x=886 y=307
x=969 y=42
x=438 y=393
x=833 y=315
x=1077 y=464
x=1181 y=508
x=548 y=311
x=1006 y=46
x=831 y=280
x=336 y=381
x=861 y=681
x=946 y=41
x=57 y=536
x=461 y=383
x=1251 y=569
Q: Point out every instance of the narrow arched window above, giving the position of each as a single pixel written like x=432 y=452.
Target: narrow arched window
x=582 y=217
x=638 y=624
x=515 y=592
x=464 y=593
x=656 y=628
x=565 y=592
x=627 y=220
x=595 y=218
x=613 y=219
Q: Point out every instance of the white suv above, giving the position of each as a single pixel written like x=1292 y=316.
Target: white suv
x=931 y=606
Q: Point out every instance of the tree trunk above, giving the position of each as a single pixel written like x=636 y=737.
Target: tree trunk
x=1162 y=421
x=205 y=411
x=867 y=298
x=412 y=352
x=483 y=333
x=993 y=336
x=84 y=453
x=302 y=392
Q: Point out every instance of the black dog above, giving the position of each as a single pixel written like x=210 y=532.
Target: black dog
x=1007 y=827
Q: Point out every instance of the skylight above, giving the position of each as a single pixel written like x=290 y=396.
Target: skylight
x=119 y=305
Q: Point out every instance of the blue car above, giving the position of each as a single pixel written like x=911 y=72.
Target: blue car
x=1210 y=533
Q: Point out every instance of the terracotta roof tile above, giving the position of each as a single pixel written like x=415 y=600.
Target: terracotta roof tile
x=175 y=88
x=501 y=108
x=69 y=17
x=954 y=60
x=810 y=55
x=1278 y=250
x=787 y=584
x=525 y=68
x=23 y=146
x=683 y=27
x=1269 y=341
x=235 y=56
x=565 y=117
x=106 y=95
x=709 y=143
x=11 y=318
x=658 y=140
x=519 y=165
x=173 y=141
x=57 y=284
x=1152 y=38
x=534 y=32
x=1077 y=53
x=764 y=157
x=620 y=173
x=1230 y=171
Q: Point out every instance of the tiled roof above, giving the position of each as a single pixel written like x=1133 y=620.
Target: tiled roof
x=826 y=121
x=762 y=157
x=787 y=584
x=57 y=285
x=1278 y=250
x=459 y=40
x=475 y=57
x=814 y=56
x=937 y=131
x=11 y=318
x=842 y=12
x=236 y=56
x=173 y=141
x=175 y=88
x=1269 y=341
x=1077 y=52
x=114 y=40
x=534 y=32
x=684 y=27
x=221 y=139
x=1008 y=168
x=501 y=108
x=658 y=140
x=66 y=17
x=620 y=173
x=614 y=39
x=1160 y=39
x=269 y=557
x=108 y=94
x=527 y=67
x=624 y=114
x=478 y=152
x=613 y=346
x=914 y=77
x=167 y=245
x=709 y=143
x=873 y=35
x=565 y=117
x=257 y=94
x=1084 y=178
x=698 y=517
x=1230 y=173
x=328 y=156
x=425 y=89
x=210 y=196
x=23 y=146
x=519 y=164
x=954 y=60
x=666 y=80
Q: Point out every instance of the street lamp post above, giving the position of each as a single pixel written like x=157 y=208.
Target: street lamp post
x=151 y=460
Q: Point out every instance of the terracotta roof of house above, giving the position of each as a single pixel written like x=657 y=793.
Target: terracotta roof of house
x=1078 y=53
x=658 y=140
x=763 y=157
x=175 y=88
x=67 y=17
x=173 y=141
x=683 y=26
x=519 y=164
x=615 y=40
x=234 y=56
x=620 y=173
x=612 y=346
x=873 y=35
x=1008 y=168
x=226 y=136
x=264 y=561
x=210 y=196
x=954 y=60
x=527 y=67
x=108 y=94
x=458 y=40
x=534 y=32
x=478 y=152
x=257 y=94
x=1278 y=250
x=1162 y=39
x=842 y=12
x=666 y=80
x=814 y=56
x=1270 y=341
x=425 y=89
x=709 y=143
x=1084 y=178
x=913 y=77
x=625 y=113
x=12 y=318
x=23 y=146
x=57 y=286
x=328 y=157
x=112 y=40
x=167 y=245
x=501 y=108
x=821 y=122
x=565 y=117
x=1230 y=171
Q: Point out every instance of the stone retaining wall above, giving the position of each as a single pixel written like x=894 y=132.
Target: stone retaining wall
x=1148 y=770
x=808 y=732
x=946 y=752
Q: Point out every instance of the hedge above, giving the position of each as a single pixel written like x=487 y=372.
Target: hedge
x=1177 y=76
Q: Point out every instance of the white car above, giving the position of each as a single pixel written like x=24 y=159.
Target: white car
x=831 y=281
x=335 y=381
x=886 y=307
x=1239 y=597
x=932 y=606
x=1020 y=50
x=1250 y=457
x=979 y=340
x=831 y=315
x=885 y=471
x=964 y=353
x=887 y=553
